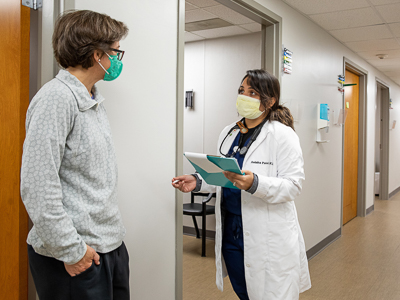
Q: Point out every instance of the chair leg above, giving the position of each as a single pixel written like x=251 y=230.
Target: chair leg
x=203 y=236
x=196 y=227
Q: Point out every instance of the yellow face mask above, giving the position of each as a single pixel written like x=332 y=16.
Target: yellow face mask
x=248 y=107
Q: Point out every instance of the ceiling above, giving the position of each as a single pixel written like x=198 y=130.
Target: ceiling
x=368 y=27
x=202 y=10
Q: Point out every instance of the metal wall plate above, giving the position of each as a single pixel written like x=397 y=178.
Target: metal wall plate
x=34 y=4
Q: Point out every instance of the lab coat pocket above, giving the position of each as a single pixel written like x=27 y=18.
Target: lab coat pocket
x=284 y=249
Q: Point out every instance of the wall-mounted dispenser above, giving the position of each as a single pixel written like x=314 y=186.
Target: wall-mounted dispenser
x=322 y=121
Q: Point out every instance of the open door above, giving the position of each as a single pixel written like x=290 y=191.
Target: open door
x=14 y=83
x=351 y=138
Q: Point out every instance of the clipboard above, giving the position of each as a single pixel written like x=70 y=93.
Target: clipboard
x=211 y=167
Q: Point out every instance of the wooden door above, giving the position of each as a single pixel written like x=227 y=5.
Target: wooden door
x=350 y=178
x=14 y=100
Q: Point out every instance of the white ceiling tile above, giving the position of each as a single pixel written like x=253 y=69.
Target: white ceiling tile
x=393 y=73
x=383 y=2
x=221 y=32
x=189 y=6
x=371 y=55
x=190 y=37
x=325 y=6
x=203 y=3
x=253 y=27
x=388 y=68
x=228 y=14
x=197 y=15
x=385 y=44
x=394 y=62
x=390 y=12
x=395 y=27
x=362 y=33
x=347 y=19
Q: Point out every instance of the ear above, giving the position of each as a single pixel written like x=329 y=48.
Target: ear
x=273 y=100
x=97 y=55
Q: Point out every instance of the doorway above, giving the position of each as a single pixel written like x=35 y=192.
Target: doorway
x=354 y=142
x=381 y=174
x=224 y=39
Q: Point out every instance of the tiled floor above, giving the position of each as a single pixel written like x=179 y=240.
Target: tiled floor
x=363 y=264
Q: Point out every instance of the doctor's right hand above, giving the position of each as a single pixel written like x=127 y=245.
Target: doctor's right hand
x=184 y=183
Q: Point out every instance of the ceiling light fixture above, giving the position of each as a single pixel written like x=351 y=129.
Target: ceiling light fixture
x=382 y=56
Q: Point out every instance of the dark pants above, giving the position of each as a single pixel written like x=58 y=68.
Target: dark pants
x=232 y=250
x=107 y=281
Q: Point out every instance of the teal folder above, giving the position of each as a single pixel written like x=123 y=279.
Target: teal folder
x=211 y=167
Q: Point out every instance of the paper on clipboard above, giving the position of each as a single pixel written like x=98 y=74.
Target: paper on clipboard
x=211 y=168
x=201 y=160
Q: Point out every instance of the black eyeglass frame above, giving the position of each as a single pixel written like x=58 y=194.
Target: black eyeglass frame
x=120 y=53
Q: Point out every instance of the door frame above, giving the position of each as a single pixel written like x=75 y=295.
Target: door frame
x=362 y=138
x=271 y=60
x=384 y=140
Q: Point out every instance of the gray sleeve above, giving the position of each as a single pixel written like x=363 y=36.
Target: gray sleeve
x=49 y=121
x=198 y=183
x=254 y=186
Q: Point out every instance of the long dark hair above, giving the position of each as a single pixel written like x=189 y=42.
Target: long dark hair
x=267 y=85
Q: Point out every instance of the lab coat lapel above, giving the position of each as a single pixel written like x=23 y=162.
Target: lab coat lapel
x=261 y=137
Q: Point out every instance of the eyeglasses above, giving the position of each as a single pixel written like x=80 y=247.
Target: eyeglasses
x=120 y=53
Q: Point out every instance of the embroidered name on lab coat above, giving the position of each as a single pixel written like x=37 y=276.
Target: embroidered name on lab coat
x=262 y=162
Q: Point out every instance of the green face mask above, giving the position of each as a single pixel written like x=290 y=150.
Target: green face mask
x=114 y=70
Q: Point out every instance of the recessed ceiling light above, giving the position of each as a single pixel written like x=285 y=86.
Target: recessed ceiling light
x=382 y=56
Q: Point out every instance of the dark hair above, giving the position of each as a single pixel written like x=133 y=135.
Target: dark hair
x=267 y=85
x=77 y=34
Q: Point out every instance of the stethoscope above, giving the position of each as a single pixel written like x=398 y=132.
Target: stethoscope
x=243 y=130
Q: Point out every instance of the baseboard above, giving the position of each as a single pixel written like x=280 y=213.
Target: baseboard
x=370 y=209
x=210 y=234
x=324 y=243
x=394 y=192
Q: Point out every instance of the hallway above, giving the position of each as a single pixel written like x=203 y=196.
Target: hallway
x=364 y=263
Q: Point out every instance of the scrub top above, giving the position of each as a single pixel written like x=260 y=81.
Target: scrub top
x=232 y=197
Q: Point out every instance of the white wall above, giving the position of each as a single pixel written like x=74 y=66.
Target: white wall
x=214 y=70
x=141 y=106
x=318 y=59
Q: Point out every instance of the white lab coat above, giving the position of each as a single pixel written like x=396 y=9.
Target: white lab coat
x=276 y=266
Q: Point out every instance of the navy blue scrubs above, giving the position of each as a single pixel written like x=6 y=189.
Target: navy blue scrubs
x=232 y=239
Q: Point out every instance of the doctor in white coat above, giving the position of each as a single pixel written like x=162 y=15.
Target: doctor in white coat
x=258 y=242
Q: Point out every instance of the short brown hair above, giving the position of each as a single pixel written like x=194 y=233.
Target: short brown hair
x=77 y=34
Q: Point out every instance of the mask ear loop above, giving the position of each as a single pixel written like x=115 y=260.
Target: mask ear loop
x=103 y=67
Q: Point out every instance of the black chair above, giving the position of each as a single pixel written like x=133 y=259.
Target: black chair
x=200 y=209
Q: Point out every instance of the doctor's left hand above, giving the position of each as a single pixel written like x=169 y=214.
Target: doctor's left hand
x=243 y=182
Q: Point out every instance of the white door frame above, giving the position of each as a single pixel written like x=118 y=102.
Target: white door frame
x=271 y=51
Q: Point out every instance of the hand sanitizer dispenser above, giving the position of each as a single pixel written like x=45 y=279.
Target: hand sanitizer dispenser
x=322 y=121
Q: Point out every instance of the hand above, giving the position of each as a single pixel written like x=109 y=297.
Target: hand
x=186 y=183
x=85 y=263
x=243 y=182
